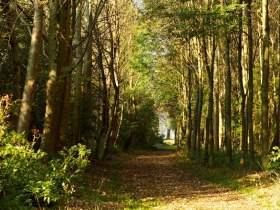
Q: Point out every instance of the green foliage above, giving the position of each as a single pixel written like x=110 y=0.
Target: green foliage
x=274 y=159
x=27 y=177
x=184 y=20
x=139 y=118
x=142 y=124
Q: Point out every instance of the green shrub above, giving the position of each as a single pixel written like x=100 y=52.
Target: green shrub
x=274 y=159
x=26 y=176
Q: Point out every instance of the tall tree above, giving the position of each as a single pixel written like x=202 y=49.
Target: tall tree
x=264 y=86
x=78 y=77
x=48 y=138
x=250 y=83
x=242 y=91
x=228 y=139
x=32 y=69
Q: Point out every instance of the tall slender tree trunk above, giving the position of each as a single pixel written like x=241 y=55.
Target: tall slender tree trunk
x=183 y=111
x=242 y=92
x=210 y=73
x=67 y=20
x=228 y=140
x=264 y=87
x=114 y=107
x=78 y=78
x=189 y=87
x=48 y=137
x=195 y=119
x=87 y=73
x=277 y=135
x=200 y=104
x=250 y=84
x=189 y=126
x=196 y=113
x=206 y=155
x=101 y=139
x=59 y=82
x=217 y=108
x=32 y=69
x=183 y=90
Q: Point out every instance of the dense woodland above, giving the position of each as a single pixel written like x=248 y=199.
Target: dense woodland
x=99 y=73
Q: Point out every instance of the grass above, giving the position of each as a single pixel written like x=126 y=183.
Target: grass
x=212 y=176
x=166 y=145
x=234 y=178
x=254 y=184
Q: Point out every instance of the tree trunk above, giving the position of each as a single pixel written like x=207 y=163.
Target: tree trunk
x=228 y=140
x=189 y=127
x=87 y=73
x=264 y=87
x=78 y=78
x=250 y=84
x=32 y=69
x=210 y=73
x=242 y=92
x=65 y=77
x=48 y=137
x=195 y=119
x=200 y=104
x=277 y=135
x=206 y=156
x=217 y=108
x=105 y=121
x=59 y=83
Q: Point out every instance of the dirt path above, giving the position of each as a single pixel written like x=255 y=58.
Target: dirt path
x=151 y=180
x=153 y=175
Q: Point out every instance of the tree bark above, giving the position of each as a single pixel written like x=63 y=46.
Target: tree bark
x=32 y=69
x=48 y=137
x=59 y=82
x=264 y=87
x=228 y=140
x=210 y=73
x=78 y=78
x=250 y=84
x=242 y=92
x=195 y=119
x=189 y=127
x=87 y=74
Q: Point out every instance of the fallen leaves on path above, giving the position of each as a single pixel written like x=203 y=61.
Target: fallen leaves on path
x=153 y=176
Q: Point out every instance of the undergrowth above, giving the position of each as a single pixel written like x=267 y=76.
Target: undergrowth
x=29 y=178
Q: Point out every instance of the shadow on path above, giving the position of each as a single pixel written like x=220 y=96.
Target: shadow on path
x=153 y=175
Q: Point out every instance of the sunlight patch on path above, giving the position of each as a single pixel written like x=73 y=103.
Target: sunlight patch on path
x=152 y=176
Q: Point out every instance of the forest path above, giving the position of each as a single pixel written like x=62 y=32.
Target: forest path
x=152 y=180
x=154 y=176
